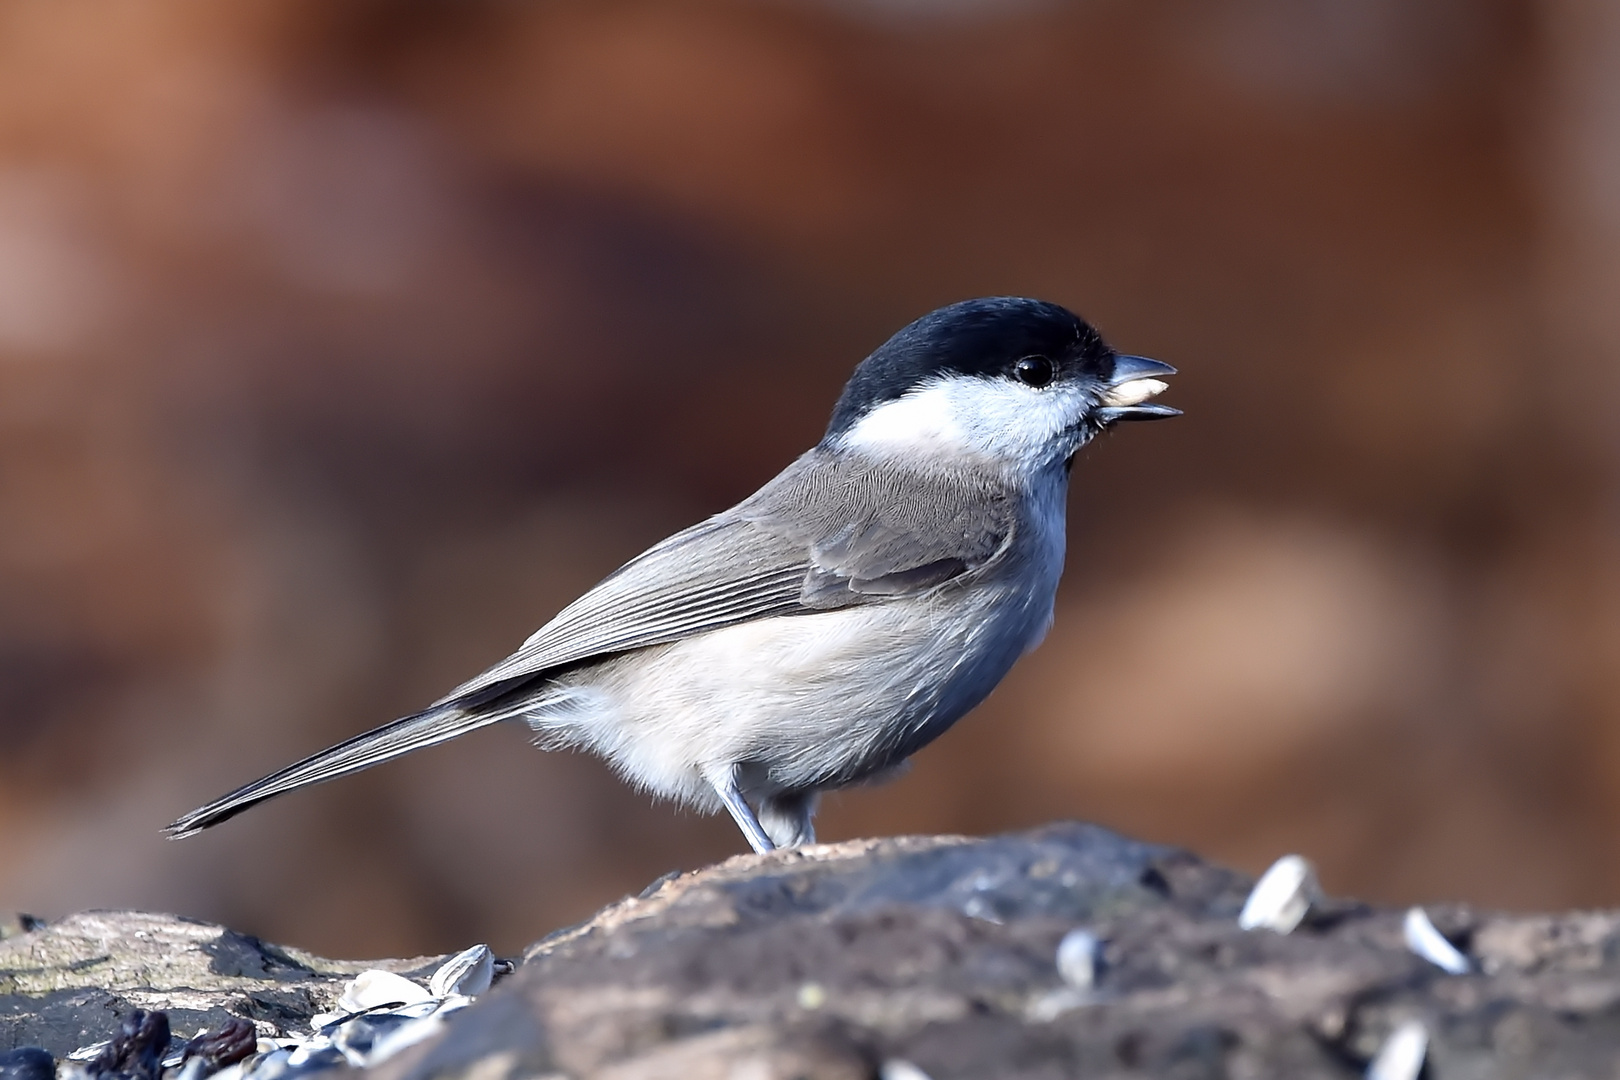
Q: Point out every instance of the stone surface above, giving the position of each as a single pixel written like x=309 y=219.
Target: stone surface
x=835 y=961
x=68 y=984
x=831 y=961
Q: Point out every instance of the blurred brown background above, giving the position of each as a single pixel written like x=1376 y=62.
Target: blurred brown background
x=341 y=344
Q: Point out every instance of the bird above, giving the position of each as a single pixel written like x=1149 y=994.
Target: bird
x=843 y=616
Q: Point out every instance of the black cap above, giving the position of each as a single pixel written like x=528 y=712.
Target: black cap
x=983 y=338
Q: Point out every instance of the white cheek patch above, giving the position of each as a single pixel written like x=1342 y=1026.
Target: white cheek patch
x=971 y=417
x=924 y=419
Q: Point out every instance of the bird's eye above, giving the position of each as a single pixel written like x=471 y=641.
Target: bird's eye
x=1035 y=371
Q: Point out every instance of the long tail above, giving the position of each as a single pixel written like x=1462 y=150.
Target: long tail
x=428 y=728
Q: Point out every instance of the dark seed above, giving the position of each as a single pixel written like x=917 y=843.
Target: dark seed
x=225 y=1045
x=27 y=1063
x=137 y=1051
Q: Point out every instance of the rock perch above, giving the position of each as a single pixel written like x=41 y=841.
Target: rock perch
x=930 y=956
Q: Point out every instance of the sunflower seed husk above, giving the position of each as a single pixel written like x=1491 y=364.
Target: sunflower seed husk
x=1077 y=957
x=1281 y=898
x=468 y=972
x=1424 y=940
x=900 y=1069
x=1401 y=1056
x=375 y=989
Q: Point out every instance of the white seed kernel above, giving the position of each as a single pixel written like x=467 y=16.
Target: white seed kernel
x=1134 y=392
x=1281 y=898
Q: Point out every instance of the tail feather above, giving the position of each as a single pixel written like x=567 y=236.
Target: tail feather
x=427 y=728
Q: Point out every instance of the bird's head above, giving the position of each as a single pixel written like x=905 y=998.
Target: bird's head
x=1009 y=382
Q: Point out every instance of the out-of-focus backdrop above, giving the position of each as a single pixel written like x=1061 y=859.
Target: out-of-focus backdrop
x=341 y=344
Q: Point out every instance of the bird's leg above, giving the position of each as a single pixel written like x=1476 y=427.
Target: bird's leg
x=724 y=782
x=787 y=818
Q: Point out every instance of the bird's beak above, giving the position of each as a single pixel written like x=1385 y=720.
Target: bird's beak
x=1135 y=379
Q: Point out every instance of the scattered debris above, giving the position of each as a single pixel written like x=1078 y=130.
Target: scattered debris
x=468 y=973
x=1079 y=962
x=1401 y=1056
x=1424 y=940
x=379 y=990
x=900 y=1069
x=1282 y=897
x=1077 y=958
x=211 y=1051
x=27 y=1063
x=379 y=1014
x=136 y=1052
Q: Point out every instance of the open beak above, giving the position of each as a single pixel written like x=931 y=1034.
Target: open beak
x=1135 y=379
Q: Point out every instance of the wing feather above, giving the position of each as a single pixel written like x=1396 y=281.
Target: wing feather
x=826 y=533
x=721 y=572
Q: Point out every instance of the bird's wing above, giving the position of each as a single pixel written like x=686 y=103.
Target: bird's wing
x=711 y=575
x=875 y=529
x=825 y=533
x=714 y=574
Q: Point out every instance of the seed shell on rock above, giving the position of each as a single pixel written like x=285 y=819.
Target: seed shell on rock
x=1424 y=940
x=27 y=1063
x=1282 y=897
x=406 y=1035
x=468 y=972
x=1401 y=1056
x=1077 y=956
x=900 y=1069
x=374 y=989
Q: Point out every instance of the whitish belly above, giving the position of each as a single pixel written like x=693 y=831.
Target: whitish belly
x=805 y=701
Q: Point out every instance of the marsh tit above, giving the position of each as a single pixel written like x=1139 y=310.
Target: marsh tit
x=837 y=620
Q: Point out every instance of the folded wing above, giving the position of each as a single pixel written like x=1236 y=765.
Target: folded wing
x=826 y=533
